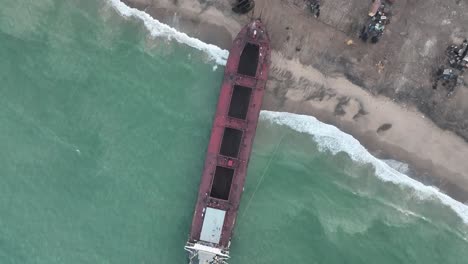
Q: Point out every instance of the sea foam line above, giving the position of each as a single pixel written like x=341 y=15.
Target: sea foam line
x=158 y=29
x=330 y=138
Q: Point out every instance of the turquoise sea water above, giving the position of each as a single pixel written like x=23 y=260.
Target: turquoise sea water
x=103 y=131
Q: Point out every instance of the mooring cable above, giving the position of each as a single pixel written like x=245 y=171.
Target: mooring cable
x=263 y=174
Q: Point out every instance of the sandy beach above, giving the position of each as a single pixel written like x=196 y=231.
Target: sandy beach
x=315 y=72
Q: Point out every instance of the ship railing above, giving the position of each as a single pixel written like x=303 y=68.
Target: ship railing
x=202 y=254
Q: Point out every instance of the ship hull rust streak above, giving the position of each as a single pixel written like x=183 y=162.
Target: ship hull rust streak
x=230 y=145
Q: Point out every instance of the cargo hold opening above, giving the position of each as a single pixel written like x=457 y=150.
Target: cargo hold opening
x=231 y=142
x=249 y=60
x=240 y=102
x=221 y=185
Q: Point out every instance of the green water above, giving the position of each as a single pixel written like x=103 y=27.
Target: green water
x=103 y=131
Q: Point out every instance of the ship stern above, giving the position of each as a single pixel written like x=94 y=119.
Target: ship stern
x=203 y=254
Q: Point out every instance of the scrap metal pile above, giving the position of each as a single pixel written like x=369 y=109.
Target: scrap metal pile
x=375 y=24
x=449 y=76
x=314 y=6
x=458 y=55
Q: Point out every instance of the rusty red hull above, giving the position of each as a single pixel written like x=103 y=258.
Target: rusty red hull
x=229 y=150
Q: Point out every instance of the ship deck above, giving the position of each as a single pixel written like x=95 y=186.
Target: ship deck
x=231 y=140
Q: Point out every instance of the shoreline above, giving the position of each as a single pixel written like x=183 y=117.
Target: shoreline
x=389 y=130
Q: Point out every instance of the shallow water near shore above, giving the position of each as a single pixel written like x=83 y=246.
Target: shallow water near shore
x=104 y=131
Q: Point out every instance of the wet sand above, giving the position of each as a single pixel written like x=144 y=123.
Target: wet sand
x=300 y=84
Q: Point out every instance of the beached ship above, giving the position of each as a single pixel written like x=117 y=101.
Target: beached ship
x=230 y=145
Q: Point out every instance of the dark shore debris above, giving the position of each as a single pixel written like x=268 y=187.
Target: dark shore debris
x=384 y=127
x=449 y=76
x=361 y=112
x=343 y=101
x=243 y=6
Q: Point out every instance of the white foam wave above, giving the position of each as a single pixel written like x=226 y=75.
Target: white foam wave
x=334 y=140
x=328 y=137
x=158 y=29
x=398 y=165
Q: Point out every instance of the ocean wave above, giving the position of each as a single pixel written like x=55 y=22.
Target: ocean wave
x=330 y=138
x=158 y=29
x=398 y=165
